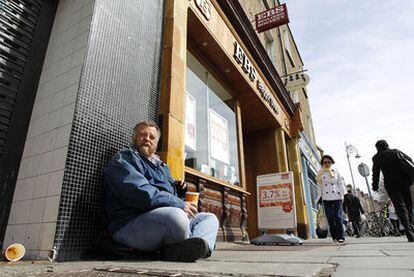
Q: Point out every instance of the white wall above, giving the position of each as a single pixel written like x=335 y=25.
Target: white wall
x=35 y=206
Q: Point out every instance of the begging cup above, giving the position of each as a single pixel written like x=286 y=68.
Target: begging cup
x=15 y=252
x=192 y=197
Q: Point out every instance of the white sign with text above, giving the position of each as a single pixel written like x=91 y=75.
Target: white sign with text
x=276 y=201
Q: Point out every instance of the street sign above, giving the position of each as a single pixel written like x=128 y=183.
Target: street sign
x=363 y=169
x=296 y=81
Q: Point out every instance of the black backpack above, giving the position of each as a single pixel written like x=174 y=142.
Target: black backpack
x=406 y=164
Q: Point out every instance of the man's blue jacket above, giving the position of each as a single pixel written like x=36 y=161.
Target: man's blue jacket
x=135 y=185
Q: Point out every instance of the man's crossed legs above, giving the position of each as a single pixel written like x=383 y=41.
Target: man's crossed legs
x=182 y=238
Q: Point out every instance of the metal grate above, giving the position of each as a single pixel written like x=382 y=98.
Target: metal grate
x=18 y=20
x=25 y=27
x=119 y=86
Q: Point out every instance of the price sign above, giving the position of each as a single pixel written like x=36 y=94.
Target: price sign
x=276 y=201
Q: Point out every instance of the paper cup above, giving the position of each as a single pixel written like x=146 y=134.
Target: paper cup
x=15 y=252
x=192 y=197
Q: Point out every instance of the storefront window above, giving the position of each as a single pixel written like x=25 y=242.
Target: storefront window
x=210 y=125
x=313 y=189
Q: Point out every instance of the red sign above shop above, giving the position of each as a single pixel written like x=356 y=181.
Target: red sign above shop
x=272 y=18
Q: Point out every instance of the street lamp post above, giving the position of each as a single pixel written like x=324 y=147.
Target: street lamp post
x=350 y=150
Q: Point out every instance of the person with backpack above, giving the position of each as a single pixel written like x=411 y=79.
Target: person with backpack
x=398 y=177
x=353 y=209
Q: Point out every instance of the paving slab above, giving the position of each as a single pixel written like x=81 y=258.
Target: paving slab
x=372 y=273
x=269 y=257
x=205 y=268
x=400 y=253
x=357 y=257
x=374 y=263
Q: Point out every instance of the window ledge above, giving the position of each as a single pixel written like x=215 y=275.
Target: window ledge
x=215 y=180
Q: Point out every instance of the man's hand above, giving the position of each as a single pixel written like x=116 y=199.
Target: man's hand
x=181 y=187
x=180 y=184
x=190 y=209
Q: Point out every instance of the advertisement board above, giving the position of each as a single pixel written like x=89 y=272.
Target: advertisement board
x=190 y=122
x=271 y=18
x=276 y=201
x=219 y=138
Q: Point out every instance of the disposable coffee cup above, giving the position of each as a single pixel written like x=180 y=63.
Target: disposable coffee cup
x=14 y=252
x=192 y=197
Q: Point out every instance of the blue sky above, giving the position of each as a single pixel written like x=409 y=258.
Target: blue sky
x=360 y=59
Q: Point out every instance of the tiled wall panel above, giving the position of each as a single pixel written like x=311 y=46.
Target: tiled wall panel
x=33 y=214
x=118 y=88
x=100 y=77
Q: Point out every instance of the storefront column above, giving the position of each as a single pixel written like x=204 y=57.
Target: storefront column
x=173 y=81
x=295 y=167
x=282 y=159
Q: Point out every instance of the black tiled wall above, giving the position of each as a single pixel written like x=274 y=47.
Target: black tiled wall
x=119 y=87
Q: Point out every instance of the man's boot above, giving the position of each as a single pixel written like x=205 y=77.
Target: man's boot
x=189 y=250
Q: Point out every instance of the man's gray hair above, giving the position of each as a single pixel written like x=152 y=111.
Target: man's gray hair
x=147 y=123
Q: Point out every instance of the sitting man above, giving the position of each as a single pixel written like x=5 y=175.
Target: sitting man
x=144 y=209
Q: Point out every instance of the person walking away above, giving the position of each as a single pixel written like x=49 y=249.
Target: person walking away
x=353 y=209
x=331 y=190
x=392 y=216
x=144 y=208
x=396 y=182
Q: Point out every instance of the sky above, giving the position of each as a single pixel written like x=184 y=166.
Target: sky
x=360 y=59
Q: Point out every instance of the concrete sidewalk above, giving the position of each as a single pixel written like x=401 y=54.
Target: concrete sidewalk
x=357 y=257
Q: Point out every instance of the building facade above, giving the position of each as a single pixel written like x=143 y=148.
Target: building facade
x=281 y=47
x=198 y=68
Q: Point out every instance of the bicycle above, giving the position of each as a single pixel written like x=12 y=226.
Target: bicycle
x=376 y=225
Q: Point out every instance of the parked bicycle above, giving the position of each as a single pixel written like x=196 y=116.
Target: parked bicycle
x=376 y=225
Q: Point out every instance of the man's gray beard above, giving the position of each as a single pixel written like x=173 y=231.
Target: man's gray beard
x=145 y=150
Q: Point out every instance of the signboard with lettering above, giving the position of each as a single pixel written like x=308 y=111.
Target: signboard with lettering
x=249 y=69
x=205 y=7
x=276 y=201
x=272 y=18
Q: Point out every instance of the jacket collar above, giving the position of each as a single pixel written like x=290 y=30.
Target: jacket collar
x=154 y=159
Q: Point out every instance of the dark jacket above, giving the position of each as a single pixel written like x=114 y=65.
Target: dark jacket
x=352 y=207
x=394 y=178
x=135 y=185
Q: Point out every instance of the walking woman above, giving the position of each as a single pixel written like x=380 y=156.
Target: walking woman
x=331 y=191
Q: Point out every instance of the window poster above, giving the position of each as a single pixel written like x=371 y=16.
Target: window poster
x=276 y=201
x=190 y=121
x=219 y=138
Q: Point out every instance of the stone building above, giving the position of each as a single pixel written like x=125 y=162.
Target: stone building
x=284 y=53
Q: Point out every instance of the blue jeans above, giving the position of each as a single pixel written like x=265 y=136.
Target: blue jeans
x=167 y=225
x=333 y=210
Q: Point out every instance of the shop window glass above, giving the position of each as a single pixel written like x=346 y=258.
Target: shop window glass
x=313 y=190
x=210 y=120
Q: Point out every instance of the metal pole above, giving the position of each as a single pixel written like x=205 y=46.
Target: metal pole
x=350 y=169
x=370 y=195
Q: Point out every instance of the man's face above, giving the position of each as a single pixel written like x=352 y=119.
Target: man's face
x=146 y=140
